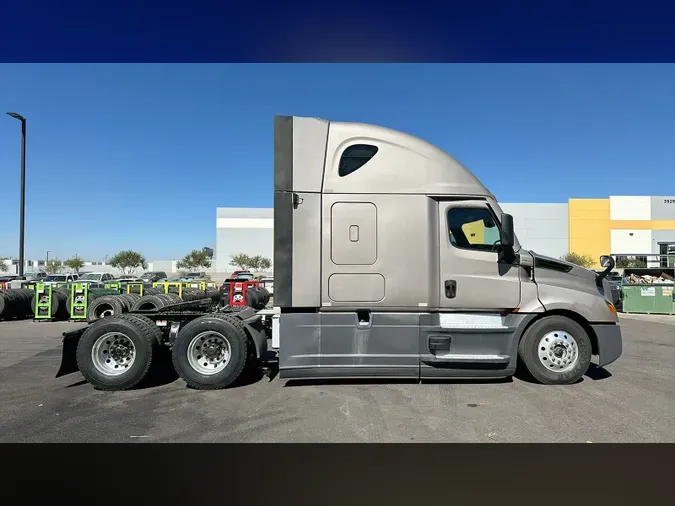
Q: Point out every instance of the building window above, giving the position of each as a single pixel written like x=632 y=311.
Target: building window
x=355 y=157
x=668 y=250
x=473 y=228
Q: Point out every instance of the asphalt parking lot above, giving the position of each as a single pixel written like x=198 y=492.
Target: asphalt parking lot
x=633 y=400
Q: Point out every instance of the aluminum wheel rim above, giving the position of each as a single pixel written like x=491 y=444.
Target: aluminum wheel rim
x=209 y=353
x=106 y=311
x=558 y=351
x=113 y=353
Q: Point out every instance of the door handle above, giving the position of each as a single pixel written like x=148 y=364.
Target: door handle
x=450 y=288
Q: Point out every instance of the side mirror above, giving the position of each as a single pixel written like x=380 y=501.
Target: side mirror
x=508 y=236
x=607 y=261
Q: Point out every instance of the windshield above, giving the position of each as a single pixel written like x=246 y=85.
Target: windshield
x=244 y=276
x=55 y=278
x=90 y=277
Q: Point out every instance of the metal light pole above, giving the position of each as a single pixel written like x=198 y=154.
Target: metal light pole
x=23 y=188
x=47 y=261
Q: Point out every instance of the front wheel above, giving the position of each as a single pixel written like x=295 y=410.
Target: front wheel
x=555 y=350
x=211 y=352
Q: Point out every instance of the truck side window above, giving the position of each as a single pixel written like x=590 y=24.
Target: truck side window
x=473 y=228
x=355 y=157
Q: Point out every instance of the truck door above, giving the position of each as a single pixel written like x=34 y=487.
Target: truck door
x=474 y=275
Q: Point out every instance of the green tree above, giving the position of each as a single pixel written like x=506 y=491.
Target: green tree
x=53 y=266
x=242 y=261
x=260 y=264
x=630 y=263
x=578 y=259
x=194 y=260
x=128 y=261
x=3 y=264
x=75 y=263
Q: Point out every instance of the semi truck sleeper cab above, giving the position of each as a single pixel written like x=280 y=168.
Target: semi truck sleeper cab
x=391 y=259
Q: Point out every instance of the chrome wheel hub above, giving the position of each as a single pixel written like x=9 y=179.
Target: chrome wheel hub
x=209 y=352
x=113 y=353
x=558 y=351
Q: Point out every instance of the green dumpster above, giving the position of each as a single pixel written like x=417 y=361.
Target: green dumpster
x=649 y=299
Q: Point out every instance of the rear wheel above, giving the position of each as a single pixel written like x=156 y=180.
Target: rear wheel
x=211 y=352
x=116 y=353
x=555 y=350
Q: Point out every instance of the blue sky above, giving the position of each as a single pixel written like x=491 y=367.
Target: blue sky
x=139 y=156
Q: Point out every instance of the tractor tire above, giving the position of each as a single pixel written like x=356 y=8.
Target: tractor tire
x=133 y=297
x=186 y=294
x=116 y=353
x=266 y=295
x=104 y=307
x=555 y=350
x=149 y=303
x=174 y=298
x=193 y=294
x=227 y=352
x=252 y=297
x=127 y=300
x=212 y=293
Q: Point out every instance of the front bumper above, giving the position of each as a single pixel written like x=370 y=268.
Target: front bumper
x=610 y=343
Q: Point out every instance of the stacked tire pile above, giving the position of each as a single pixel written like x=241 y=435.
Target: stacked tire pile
x=153 y=302
x=16 y=304
x=104 y=303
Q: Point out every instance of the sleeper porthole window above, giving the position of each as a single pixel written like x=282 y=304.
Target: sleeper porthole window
x=355 y=157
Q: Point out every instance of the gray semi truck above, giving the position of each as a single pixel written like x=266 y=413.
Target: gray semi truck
x=391 y=260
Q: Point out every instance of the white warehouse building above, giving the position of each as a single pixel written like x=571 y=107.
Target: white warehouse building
x=243 y=230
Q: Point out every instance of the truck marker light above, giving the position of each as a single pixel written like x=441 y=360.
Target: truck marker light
x=611 y=307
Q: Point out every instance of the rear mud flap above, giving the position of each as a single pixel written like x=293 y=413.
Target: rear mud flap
x=68 y=353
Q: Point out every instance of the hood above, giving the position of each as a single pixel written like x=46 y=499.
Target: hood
x=568 y=274
x=556 y=264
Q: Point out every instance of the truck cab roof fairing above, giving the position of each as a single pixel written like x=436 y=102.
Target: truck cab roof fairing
x=402 y=164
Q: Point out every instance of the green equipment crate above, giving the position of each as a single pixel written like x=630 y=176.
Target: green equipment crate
x=648 y=299
x=43 y=302
x=114 y=286
x=79 y=298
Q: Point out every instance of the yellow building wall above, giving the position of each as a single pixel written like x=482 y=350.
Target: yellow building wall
x=589 y=227
x=642 y=224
